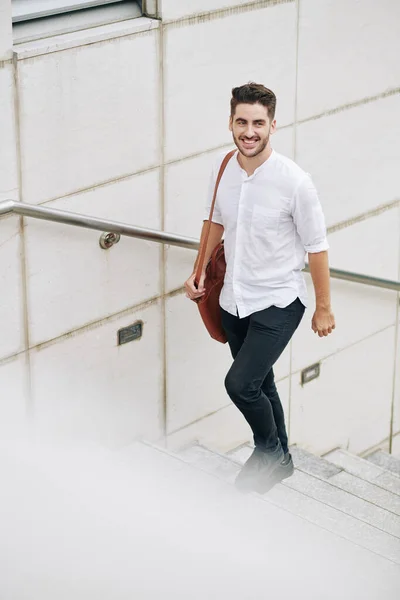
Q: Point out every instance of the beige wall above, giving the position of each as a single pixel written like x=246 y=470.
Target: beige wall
x=123 y=122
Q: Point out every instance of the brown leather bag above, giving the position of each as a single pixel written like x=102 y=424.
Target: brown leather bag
x=215 y=273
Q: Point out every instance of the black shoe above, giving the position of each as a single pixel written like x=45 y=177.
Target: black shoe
x=284 y=470
x=259 y=468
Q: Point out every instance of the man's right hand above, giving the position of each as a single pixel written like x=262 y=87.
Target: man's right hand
x=192 y=291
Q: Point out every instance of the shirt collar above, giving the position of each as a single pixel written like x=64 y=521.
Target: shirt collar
x=265 y=165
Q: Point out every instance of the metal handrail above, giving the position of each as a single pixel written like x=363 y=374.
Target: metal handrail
x=152 y=235
x=78 y=220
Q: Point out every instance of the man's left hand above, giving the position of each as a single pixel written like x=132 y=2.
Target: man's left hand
x=323 y=322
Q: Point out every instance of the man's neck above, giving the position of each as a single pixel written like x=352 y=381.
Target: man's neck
x=251 y=164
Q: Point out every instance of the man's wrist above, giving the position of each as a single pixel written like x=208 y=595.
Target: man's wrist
x=203 y=272
x=323 y=305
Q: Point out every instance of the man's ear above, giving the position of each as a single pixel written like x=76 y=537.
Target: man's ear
x=273 y=127
x=230 y=123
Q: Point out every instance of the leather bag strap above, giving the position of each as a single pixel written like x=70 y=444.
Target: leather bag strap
x=203 y=249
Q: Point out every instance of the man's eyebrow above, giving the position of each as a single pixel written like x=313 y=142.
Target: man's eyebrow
x=255 y=120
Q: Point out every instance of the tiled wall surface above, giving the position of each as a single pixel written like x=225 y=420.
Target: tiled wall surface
x=70 y=281
x=203 y=64
x=176 y=9
x=8 y=146
x=98 y=123
x=347 y=53
x=11 y=315
x=5 y=30
x=349 y=405
x=125 y=125
x=85 y=385
x=352 y=164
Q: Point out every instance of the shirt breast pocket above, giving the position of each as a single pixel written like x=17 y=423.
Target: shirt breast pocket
x=265 y=221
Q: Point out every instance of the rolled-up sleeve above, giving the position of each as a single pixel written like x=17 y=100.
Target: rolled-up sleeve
x=216 y=214
x=309 y=218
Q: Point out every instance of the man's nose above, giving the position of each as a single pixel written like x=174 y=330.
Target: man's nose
x=249 y=131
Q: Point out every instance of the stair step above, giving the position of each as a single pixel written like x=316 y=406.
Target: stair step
x=170 y=468
x=320 y=467
x=313 y=464
x=240 y=454
x=324 y=469
x=300 y=502
x=301 y=459
x=211 y=462
x=367 y=491
x=336 y=521
x=346 y=502
x=364 y=470
x=386 y=461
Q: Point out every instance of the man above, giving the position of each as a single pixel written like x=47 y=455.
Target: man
x=269 y=211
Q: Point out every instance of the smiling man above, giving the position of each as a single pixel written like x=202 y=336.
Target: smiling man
x=269 y=210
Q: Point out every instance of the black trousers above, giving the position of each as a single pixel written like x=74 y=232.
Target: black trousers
x=256 y=343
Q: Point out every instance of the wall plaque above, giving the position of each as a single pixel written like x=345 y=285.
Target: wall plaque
x=130 y=333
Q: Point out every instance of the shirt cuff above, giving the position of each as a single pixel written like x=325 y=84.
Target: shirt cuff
x=320 y=247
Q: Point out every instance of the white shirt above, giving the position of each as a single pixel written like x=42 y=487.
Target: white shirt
x=271 y=220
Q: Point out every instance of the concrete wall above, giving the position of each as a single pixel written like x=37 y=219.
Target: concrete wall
x=123 y=122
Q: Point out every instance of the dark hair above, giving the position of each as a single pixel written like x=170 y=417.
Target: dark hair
x=251 y=93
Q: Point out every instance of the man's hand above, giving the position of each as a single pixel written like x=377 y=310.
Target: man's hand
x=193 y=292
x=323 y=321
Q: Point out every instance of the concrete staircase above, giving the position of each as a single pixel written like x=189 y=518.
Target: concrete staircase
x=86 y=522
x=354 y=498
x=330 y=532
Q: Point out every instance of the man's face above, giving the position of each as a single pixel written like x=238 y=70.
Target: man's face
x=251 y=128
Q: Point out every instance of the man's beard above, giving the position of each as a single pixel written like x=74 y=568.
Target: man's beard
x=254 y=152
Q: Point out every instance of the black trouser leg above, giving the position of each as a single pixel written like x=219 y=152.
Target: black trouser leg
x=256 y=344
x=269 y=389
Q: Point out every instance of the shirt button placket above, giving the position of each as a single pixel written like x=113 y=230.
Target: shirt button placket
x=239 y=233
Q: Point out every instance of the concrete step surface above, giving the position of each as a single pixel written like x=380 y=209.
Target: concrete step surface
x=316 y=540
x=346 y=502
x=365 y=470
x=142 y=523
x=316 y=501
x=386 y=461
x=211 y=462
x=313 y=464
x=320 y=467
x=367 y=491
x=316 y=477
